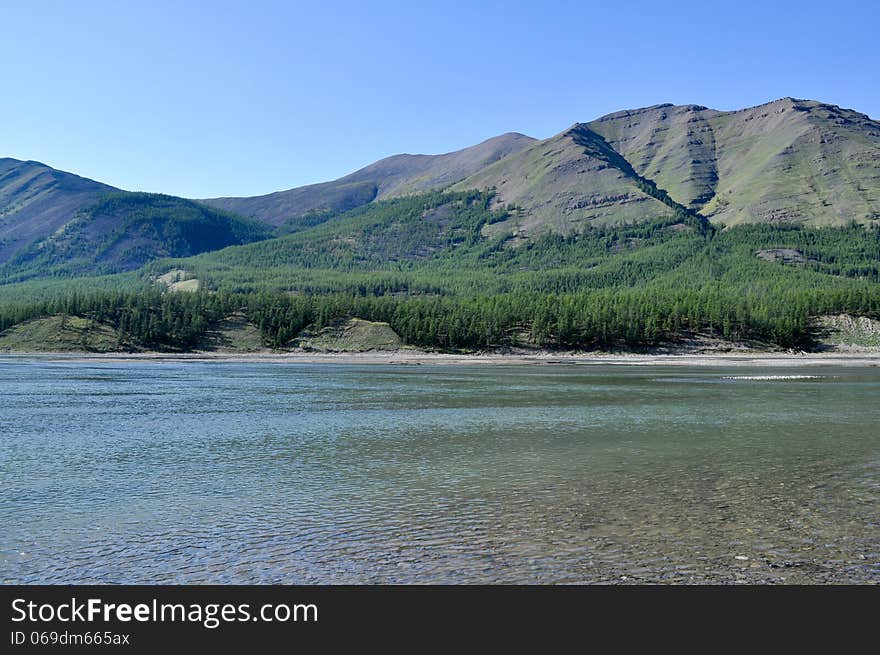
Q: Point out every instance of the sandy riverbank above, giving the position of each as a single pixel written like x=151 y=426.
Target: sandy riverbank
x=414 y=358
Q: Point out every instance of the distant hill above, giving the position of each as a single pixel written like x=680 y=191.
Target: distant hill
x=394 y=176
x=122 y=231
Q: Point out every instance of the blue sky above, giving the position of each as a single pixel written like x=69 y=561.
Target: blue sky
x=240 y=98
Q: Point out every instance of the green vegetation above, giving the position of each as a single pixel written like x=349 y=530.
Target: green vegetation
x=790 y=160
x=351 y=335
x=848 y=333
x=234 y=334
x=787 y=162
x=425 y=266
x=62 y=334
x=123 y=231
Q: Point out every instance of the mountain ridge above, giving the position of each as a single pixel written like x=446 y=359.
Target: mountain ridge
x=773 y=162
x=395 y=175
x=702 y=158
x=787 y=161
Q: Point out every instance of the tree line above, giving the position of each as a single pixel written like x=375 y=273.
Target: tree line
x=590 y=319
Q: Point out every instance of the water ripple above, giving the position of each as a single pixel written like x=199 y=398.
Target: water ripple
x=240 y=473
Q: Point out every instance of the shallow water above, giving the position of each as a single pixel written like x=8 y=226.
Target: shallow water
x=142 y=472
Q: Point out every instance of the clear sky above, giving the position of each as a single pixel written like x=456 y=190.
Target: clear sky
x=214 y=98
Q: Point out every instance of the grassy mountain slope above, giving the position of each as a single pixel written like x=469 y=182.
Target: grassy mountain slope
x=792 y=161
x=797 y=161
x=789 y=160
x=61 y=334
x=387 y=178
x=674 y=146
x=561 y=184
x=441 y=243
x=349 y=335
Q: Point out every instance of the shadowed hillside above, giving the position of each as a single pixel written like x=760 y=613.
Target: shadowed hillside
x=123 y=231
x=36 y=200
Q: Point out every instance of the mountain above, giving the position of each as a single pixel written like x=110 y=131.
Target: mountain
x=36 y=201
x=122 y=231
x=566 y=182
x=57 y=223
x=792 y=161
x=789 y=160
x=650 y=228
x=424 y=266
x=393 y=176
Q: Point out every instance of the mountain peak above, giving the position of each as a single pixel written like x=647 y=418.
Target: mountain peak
x=662 y=110
x=789 y=102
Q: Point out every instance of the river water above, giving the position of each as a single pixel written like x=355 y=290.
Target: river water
x=213 y=472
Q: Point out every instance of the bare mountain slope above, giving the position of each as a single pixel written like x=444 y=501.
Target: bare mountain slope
x=672 y=145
